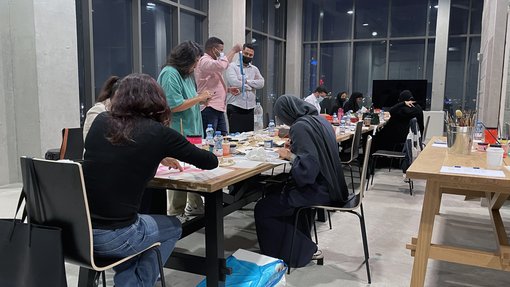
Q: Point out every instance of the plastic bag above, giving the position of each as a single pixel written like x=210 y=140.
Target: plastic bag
x=248 y=274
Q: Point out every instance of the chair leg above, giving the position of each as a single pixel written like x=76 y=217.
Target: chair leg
x=312 y=218
x=329 y=219
x=352 y=177
x=292 y=240
x=160 y=262
x=365 y=242
x=104 y=278
x=374 y=164
x=411 y=186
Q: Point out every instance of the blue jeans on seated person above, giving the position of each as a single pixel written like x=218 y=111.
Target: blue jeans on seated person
x=142 y=270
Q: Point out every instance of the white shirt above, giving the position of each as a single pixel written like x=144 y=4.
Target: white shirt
x=312 y=99
x=254 y=81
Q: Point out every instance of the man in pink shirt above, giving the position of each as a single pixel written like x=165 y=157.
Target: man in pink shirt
x=209 y=77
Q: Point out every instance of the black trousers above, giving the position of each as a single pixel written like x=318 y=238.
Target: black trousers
x=239 y=120
x=274 y=220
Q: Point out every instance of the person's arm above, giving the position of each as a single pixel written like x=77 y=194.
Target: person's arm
x=234 y=52
x=305 y=164
x=258 y=81
x=232 y=77
x=180 y=148
x=201 y=98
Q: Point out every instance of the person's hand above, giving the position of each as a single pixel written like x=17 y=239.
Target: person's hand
x=237 y=48
x=410 y=103
x=284 y=153
x=234 y=91
x=204 y=97
x=172 y=163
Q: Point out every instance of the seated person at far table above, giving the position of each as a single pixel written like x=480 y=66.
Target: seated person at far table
x=316 y=178
x=122 y=151
x=354 y=103
x=394 y=133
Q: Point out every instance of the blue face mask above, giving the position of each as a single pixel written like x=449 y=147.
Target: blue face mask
x=319 y=99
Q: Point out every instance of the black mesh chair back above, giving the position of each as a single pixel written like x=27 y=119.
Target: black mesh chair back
x=64 y=204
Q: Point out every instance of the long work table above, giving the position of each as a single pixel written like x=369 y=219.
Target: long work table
x=496 y=189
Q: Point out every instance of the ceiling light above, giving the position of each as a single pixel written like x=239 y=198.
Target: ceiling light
x=436 y=6
x=365 y=24
x=374 y=33
x=350 y=12
x=277 y=4
x=321 y=14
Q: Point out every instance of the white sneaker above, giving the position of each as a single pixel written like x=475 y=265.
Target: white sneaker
x=192 y=211
x=183 y=218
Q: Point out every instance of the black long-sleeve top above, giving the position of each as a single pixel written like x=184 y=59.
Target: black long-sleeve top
x=117 y=175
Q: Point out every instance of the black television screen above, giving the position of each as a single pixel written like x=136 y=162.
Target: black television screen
x=385 y=92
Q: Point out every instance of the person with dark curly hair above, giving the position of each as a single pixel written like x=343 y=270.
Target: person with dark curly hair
x=122 y=151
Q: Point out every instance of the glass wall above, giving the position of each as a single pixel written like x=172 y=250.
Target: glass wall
x=266 y=30
x=348 y=44
x=129 y=36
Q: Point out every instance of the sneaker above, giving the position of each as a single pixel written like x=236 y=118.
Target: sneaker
x=191 y=211
x=183 y=218
x=317 y=255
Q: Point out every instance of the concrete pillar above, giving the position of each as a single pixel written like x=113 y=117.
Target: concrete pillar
x=294 y=48
x=440 y=56
x=227 y=21
x=40 y=69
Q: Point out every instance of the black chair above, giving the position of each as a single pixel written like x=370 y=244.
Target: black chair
x=64 y=204
x=357 y=204
x=72 y=144
x=354 y=151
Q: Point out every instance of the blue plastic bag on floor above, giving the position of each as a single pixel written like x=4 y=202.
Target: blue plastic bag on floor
x=249 y=274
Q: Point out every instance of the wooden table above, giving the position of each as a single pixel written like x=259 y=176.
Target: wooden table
x=427 y=166
x=213 y=266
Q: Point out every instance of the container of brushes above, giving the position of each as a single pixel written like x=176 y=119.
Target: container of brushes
x=459 y=139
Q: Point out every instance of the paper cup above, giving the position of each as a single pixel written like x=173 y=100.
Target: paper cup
x=494 y=157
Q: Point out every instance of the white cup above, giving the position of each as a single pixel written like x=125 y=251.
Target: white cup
x=494 y=157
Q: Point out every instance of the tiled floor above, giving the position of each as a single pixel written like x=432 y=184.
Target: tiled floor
x=392 y=218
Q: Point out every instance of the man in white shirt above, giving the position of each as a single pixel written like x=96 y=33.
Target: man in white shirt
x=240 y=107
x=316 y=97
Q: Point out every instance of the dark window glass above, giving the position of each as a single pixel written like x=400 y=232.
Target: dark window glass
x=454 y=87
x=259 y=14
x=430 y=68
x=259 y=48
x=311 y=14
x=196 y=4
x=476 y=16
x=369 y=65
x=334 y=66
x=472 y=73
x=113 y=39
x=276 y=20
x=310 y=63
x=192 y=27
x=406 y=59
x=336 y=19
x=157 y=36
x=273 y=76
x=408 y=18
x=459 y=13
x=371 y=19
x=432 y=17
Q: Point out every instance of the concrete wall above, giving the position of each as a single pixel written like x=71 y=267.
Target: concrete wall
x=227 y=21
x=39 y=76
x=294 y=48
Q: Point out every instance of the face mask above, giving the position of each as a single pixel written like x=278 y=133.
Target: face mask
x=247 y=60
x=319 y=99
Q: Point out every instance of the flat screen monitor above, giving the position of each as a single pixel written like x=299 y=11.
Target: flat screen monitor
x=385 y=92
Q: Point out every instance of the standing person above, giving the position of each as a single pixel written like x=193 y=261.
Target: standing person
x=177 y=81
x=209 y=77
x=123 y=149
x=354 y=103
x=102 y=104
x=316 y=97
x=316 y=178
x=240 y=106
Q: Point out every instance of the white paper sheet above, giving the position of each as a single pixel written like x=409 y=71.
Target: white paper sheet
x=245 y=163
x=439 y=144
x=191 y=173
x=472 y=171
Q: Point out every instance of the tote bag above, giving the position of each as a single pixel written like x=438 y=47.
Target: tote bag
x=30 y=254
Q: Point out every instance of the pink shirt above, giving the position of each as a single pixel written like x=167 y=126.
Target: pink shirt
x=209 y=77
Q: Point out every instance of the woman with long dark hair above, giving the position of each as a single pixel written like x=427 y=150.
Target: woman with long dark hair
x=354 y=103
x=176 y=79
x=316 y=178
x=122 y=151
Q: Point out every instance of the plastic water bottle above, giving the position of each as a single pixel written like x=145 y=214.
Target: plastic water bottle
x=209 y=134
x=381 y=116
x=257 y=117
x=335 y=118
x=478 y=131
x=342 y=126
x=218 y=144
x=270 y=127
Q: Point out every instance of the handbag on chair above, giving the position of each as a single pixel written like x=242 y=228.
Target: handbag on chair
x=30 y=254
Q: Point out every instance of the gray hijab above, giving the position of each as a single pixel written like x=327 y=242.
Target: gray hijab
x=314 y=138
x=289 y=108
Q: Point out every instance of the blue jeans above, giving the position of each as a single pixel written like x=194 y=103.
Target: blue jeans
x=216 y=118
x=142 y=270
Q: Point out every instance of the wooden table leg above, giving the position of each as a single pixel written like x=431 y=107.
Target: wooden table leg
x=430 y=206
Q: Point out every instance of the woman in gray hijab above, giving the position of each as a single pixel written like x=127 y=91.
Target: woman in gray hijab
x=316 y=178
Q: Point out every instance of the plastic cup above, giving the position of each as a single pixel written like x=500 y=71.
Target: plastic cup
x=494 y=157
x=367 y=121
